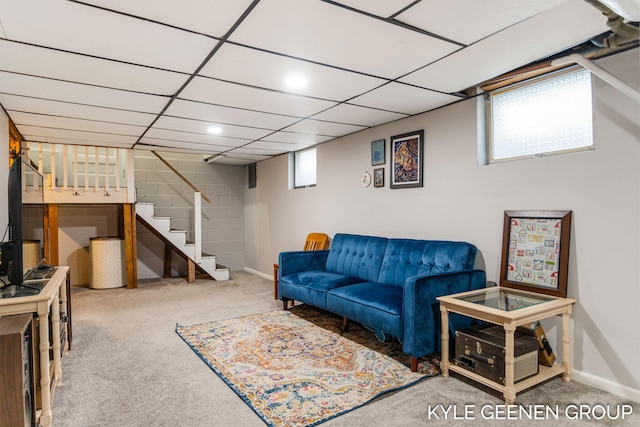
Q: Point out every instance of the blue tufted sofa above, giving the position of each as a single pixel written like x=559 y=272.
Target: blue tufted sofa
x=388 y=285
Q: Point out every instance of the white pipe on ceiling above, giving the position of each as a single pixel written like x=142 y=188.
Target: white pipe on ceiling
x=600 y=72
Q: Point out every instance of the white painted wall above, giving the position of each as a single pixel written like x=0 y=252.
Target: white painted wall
x=463 y=201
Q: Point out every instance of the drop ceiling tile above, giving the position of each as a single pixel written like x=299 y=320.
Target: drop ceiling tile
x=323 y=128
x=66 y=123
x=25 y=59
x=382 y=8
x=67 y=136
x=212 y=17
x=297 y=138
x=179 y=146
x=66 y=109
x=92 y=31
x=544 y=34
x=357 y=115
x=189 y=137
x=276 y=147
x=234 y=159
x=366 y=44
x=239 y=96
x=16 y=84
x=484 y=17
x=404 y=99
x=239 y=64
x=228 y=115
x=255 y=151
x=201 y=127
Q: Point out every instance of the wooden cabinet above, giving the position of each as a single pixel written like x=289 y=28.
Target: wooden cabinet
x=51 y=333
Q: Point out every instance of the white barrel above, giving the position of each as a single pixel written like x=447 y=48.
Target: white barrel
x=107 y=262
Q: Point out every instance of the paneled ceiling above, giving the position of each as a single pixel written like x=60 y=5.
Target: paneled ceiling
x=255 y=79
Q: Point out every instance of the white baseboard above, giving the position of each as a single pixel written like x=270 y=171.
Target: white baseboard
x=257 y=273
x=606 y=385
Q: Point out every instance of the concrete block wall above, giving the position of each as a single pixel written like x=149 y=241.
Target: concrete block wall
x=222 y=219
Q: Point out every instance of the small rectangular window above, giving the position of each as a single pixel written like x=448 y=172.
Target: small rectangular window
x=304 y=168
x=550 y=115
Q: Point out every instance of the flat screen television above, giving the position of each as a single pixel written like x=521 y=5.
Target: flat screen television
x=12 y=249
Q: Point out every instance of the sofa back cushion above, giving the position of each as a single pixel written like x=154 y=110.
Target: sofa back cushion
x=406 y=258
x=357 y=256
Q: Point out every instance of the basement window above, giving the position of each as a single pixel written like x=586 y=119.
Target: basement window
x=304 y=168
x=549 y=115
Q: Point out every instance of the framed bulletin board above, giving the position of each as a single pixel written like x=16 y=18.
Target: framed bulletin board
x=535 y=251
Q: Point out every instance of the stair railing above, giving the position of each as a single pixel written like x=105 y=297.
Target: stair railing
x=197 y=208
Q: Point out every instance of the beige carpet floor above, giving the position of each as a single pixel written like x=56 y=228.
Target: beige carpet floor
x=127 y=367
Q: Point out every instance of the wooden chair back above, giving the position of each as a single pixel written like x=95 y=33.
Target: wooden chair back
x=316 y=242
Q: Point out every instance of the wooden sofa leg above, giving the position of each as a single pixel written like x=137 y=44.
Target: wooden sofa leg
x=285 y=304
x=345 y=324
x=414 y=364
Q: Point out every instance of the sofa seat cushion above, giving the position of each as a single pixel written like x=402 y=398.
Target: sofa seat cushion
x=373 y=304
x=312 y=286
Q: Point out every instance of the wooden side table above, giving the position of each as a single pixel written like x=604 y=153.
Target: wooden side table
x=508 y=308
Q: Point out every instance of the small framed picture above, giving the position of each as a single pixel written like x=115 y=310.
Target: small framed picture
x=378 y=177
x=406 y=160
x=377 y=153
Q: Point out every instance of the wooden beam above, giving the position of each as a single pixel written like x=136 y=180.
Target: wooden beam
x=130 y=241
x=14 y=132
x=50 y=234
x=191 y=267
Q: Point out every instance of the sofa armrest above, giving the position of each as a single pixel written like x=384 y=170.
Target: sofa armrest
x=420 y=313
x=297 y=261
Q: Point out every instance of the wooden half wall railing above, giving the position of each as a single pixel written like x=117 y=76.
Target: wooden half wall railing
x=82 y=174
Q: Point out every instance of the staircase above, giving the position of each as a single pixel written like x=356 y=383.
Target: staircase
x=161 y=226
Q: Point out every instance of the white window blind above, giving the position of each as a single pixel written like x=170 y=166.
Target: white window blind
x=548 y=116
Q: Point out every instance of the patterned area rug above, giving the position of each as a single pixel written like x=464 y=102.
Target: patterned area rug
x=294 y=368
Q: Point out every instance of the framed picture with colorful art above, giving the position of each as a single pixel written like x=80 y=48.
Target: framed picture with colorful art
x=406 y=160
x=535 y=251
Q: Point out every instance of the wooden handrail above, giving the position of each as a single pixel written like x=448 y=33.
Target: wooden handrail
x=193 y=187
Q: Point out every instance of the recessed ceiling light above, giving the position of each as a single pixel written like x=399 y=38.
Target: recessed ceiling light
x=214 y=130
x=296 y=81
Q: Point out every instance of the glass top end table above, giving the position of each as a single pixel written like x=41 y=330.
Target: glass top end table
x=508 y=308
x=504 y=298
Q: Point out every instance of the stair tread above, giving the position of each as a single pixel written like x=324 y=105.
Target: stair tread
x=218 y=272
